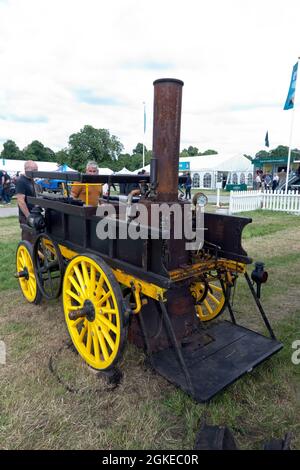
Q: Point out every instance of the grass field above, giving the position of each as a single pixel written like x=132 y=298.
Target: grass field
x=50 y=400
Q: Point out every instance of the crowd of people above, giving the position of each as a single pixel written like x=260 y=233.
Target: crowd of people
x=6 y=183
x=267 y=181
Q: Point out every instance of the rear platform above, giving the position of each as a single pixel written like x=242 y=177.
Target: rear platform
x=223 y=353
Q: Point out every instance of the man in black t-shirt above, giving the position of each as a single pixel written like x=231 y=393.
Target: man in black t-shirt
x=25 y=188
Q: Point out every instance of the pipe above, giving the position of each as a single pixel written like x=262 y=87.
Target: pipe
x=166 y=138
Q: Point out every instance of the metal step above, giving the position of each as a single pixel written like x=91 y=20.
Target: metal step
x=224 y=353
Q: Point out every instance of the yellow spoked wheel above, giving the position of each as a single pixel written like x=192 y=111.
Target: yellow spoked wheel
x=210 y=299
x=94 y=311
x=25 y=273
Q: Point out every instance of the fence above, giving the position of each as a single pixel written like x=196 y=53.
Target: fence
x=243 y=201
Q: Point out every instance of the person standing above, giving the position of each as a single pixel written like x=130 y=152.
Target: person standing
x=24 y=189
x=188 y=186
x=2 y=181
x=6 y=189
x=275 y=181
x=93 y=190
x=257 y=181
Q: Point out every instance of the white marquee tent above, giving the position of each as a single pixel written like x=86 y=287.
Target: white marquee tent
x=14 y=166
x=207 y=170
x=124 y=171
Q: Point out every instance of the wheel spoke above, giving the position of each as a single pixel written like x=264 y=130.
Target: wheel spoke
x=23 y=257
x=103 y=299
x=75 y=297
x=108 y=338
x=92 y=279
x=102 y=344
x=83 y=331
x=77 y=321
x=101 y=319
x=99 y=287
x=89 y=338
x=95 y=343
x=30 y=289
x=109 y=310
x=76 y=285
x=213 y=298
x=80 y=279
x=217 y=288
x=85 y=275
x=208 y=307
x=31 y=283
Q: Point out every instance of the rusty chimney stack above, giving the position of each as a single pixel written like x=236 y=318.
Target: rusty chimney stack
x=166 y=138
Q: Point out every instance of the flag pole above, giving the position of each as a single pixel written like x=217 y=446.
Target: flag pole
x=144 y=134
x=290 y=142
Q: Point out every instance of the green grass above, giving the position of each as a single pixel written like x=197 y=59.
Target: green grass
x=9 y=238
x=268 y=222
x=73 y=408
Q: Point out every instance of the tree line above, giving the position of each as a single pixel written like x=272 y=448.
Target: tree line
x=89 y=144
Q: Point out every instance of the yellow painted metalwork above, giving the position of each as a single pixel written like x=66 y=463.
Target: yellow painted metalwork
x=213 y=302
x=232 y=266
x=97 y=340
x=24 y=262
x=66 y=252
x=206 y=266
x=155 y=292
x=146 y=288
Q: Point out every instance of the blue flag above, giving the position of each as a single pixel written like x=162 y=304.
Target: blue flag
x=289 y=104
x=144 y=118
x=267 y=140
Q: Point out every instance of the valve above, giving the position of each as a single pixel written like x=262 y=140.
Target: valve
x=259 y=276
x=36 y=219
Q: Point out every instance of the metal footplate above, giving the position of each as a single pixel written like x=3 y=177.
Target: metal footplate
x=225 y=353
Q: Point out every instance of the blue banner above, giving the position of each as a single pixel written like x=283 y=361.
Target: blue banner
x=184 y=166
x=289 y=104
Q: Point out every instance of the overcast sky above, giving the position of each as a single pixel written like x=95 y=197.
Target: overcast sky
x=67 y=63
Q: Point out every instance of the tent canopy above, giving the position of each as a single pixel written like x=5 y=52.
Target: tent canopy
x=219 y=162
x=105 y=171
x=14 y=166
x=124 y=171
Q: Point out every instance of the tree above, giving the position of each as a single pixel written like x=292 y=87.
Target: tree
x=11 y=151
x=209 y=152
x=139 y=149
x=262 y=154
x=184 y=153
x=38 y=152
x=62 y=156
x=93 y=144
x=279 y=152
x=193 y=151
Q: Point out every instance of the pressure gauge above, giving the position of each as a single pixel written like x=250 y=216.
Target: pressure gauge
x=200 y=199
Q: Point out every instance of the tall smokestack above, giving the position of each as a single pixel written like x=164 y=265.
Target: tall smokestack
x=166 y=138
